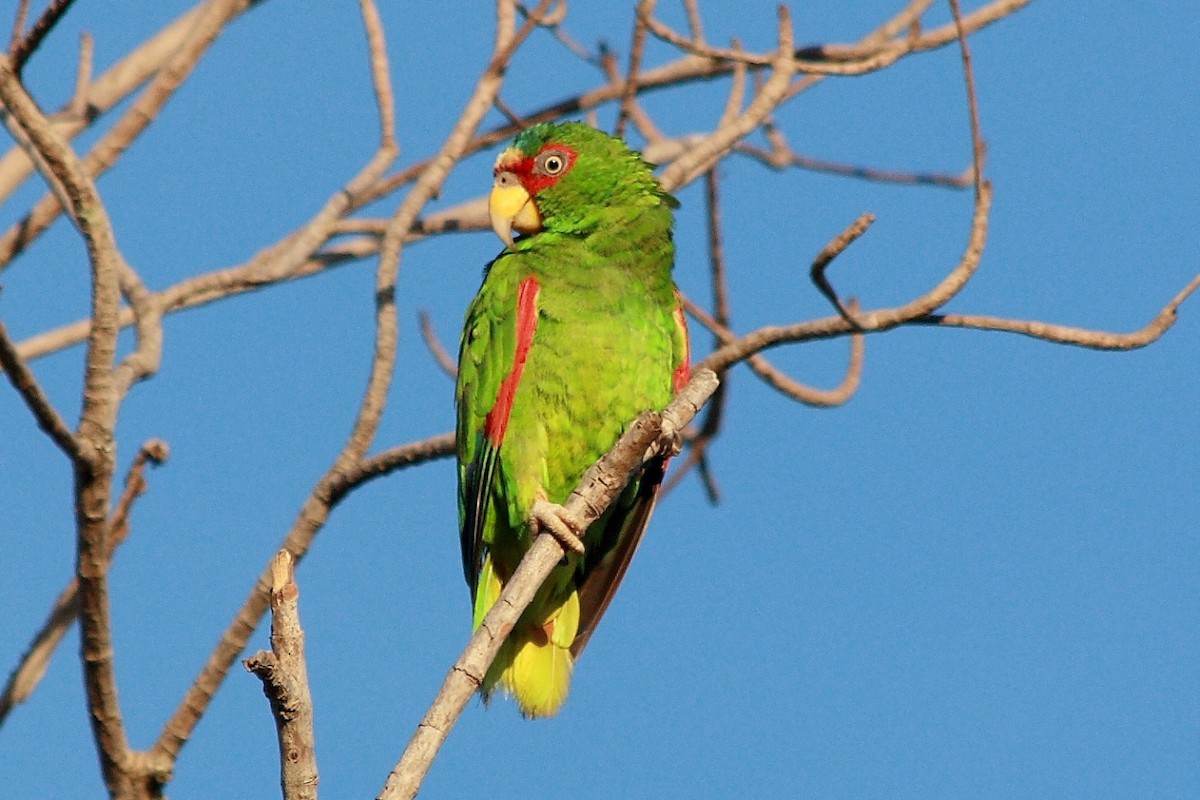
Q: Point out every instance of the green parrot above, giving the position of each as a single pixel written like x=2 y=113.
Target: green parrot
x=576 y=330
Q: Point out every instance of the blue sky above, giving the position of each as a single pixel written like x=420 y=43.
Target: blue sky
x=978 y=579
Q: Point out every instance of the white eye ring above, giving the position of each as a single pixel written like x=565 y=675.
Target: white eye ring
x=552 y=163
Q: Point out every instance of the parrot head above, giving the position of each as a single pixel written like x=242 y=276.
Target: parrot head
x=568 y=177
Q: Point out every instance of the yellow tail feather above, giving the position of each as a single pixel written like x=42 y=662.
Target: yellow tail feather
x=534 y=664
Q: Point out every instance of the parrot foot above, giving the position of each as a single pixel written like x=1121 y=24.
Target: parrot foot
x=555 y=520
x=670 y=442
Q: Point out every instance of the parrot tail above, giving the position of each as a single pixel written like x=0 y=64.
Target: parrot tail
x=534 y=663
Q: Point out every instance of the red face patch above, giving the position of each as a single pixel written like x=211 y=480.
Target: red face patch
x=543 y=169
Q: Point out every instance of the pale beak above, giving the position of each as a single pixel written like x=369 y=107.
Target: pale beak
x=511 y=208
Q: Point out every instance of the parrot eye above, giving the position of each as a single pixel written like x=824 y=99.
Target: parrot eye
x=551 y=163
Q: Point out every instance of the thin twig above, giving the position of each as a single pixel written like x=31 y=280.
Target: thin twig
x=20 y=52
x=83 y=75
x=31 y=668
x=18 y=28
x=710 y=428
x=436 y=348
x=695 y=22
x=782 y=160
x=555 y=26
x=831 y=251
x=23 y=380
x=1063 y=334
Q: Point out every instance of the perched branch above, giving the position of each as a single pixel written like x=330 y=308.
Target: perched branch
x=598 y=488
x=284 y=675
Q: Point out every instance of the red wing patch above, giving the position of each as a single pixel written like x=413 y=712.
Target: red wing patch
x=496 y=423
x=684 y=371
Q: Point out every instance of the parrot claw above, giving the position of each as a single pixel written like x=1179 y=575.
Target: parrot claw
x=555 y=520
x=671 y=442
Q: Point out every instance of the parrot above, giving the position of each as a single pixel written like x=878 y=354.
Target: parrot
x=577 y=328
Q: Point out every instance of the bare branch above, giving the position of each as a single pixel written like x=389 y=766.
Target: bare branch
x=284 y=675
x=700 y=158
x=105 y=92
x=800 y=392
x=95 y=433
x=882 y=319
x=977 y=146
x=209 y=23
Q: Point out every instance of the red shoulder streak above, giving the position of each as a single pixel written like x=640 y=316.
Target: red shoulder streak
x=684 y=371
x=496 y=423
